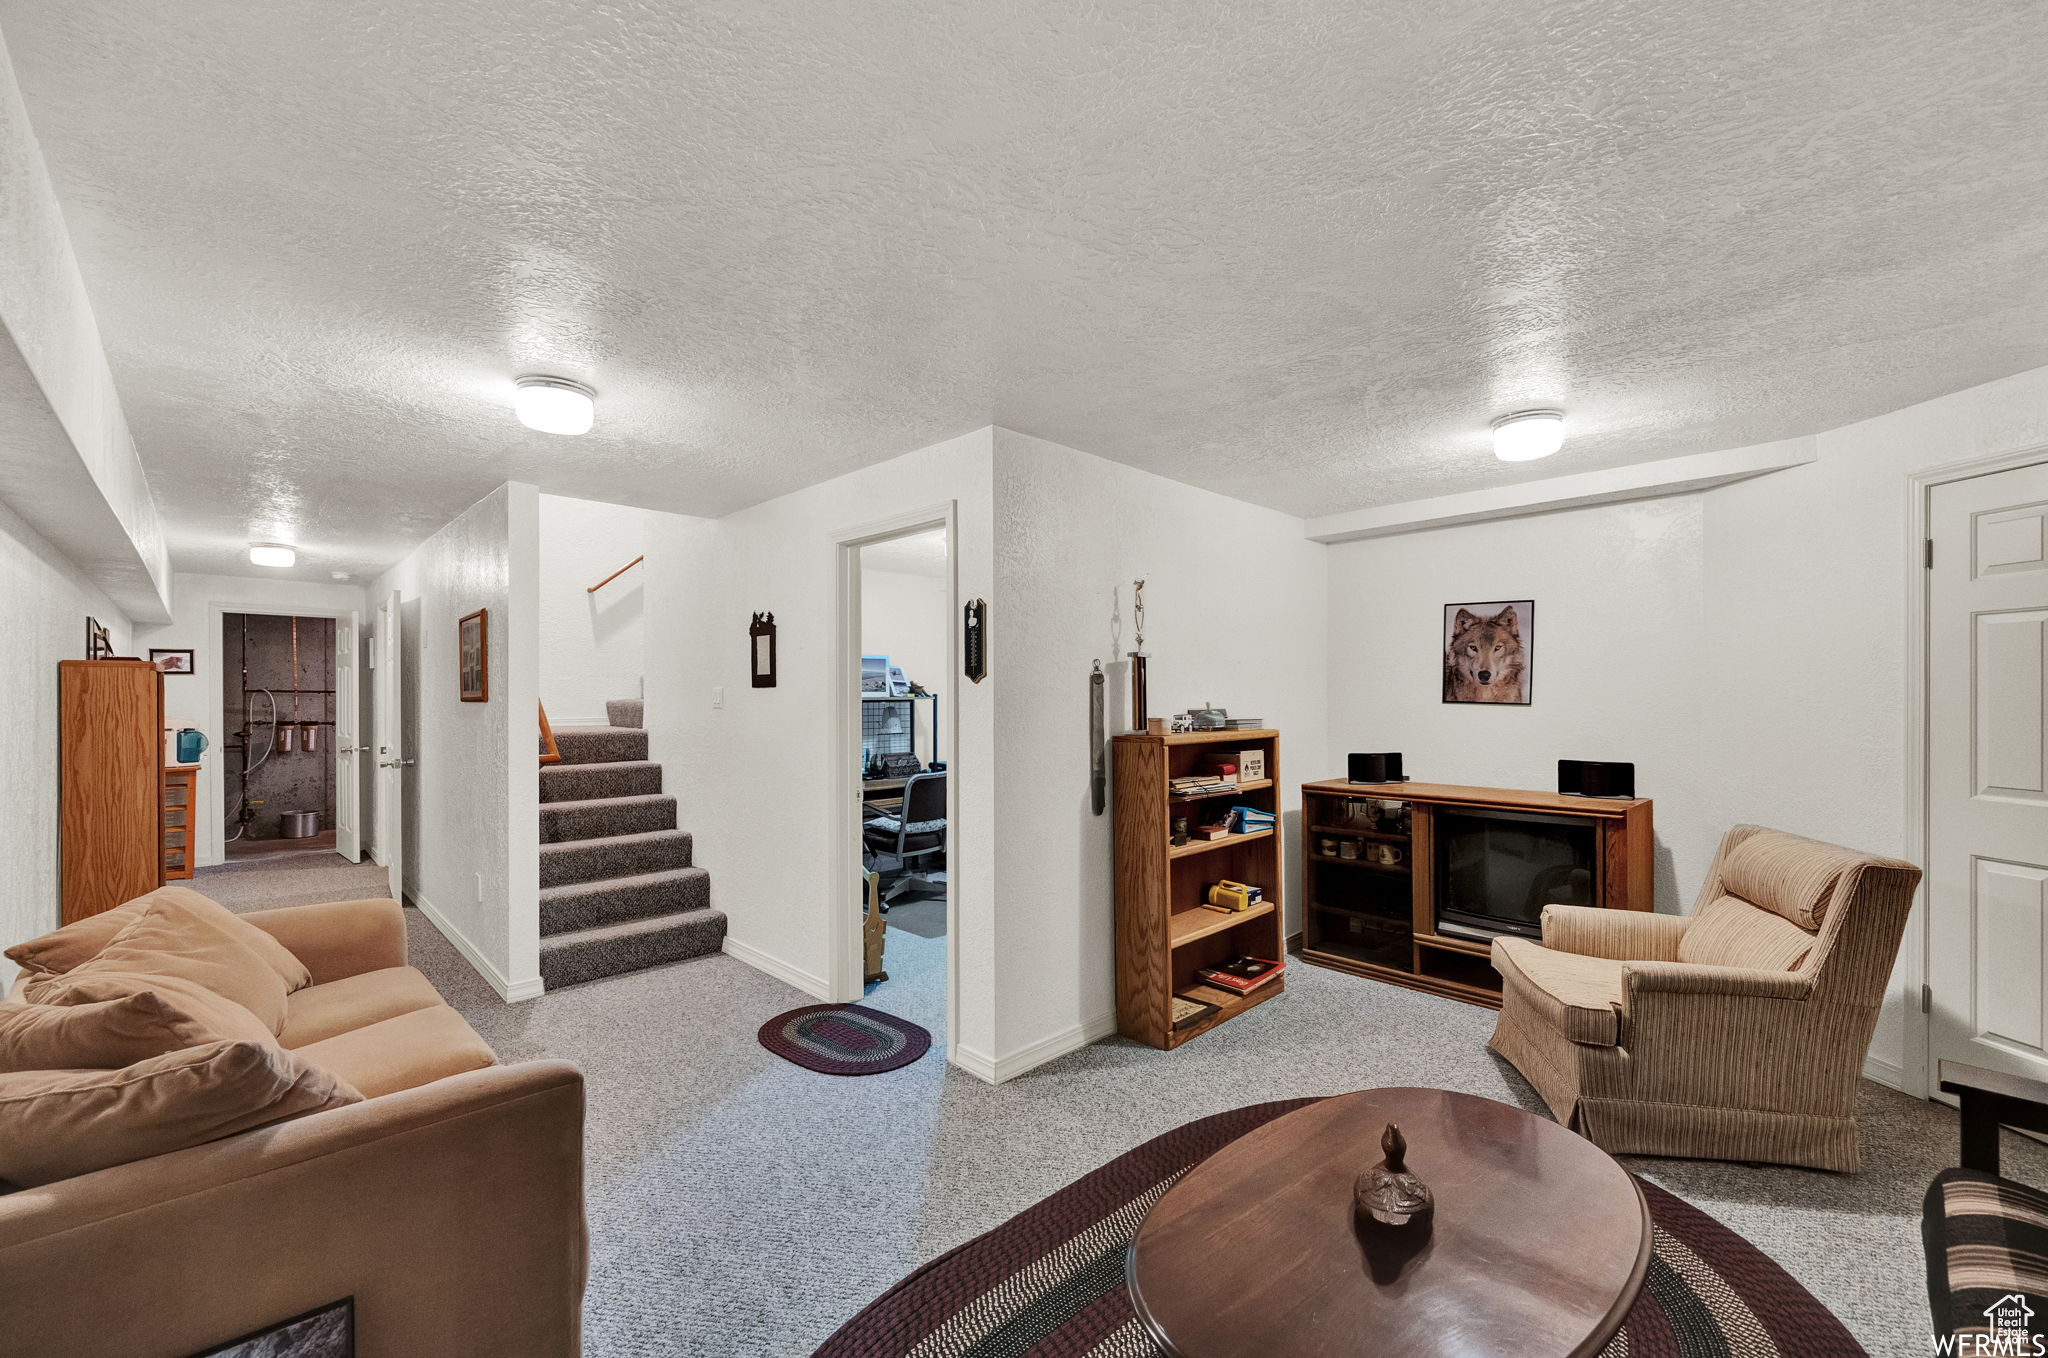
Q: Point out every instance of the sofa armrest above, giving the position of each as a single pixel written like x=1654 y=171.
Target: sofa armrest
x=1620 y=935
x=338 y=939
x=1692 y=978
x=452 y=1213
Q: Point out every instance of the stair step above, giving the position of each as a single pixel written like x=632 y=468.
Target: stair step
x=563 y=822
x=634 y=945
x=600 y=744
x=589 y=905
x=626 y=712
x=592 y=782
x=614 y=856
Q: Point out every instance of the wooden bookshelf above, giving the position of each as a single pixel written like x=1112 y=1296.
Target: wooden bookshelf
x=1164 y=935
x=1379 y=919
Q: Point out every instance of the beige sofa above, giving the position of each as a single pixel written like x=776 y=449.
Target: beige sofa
x=448 y=1202
x=1734 y=1033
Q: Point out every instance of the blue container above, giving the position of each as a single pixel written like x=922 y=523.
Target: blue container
x=191 y=744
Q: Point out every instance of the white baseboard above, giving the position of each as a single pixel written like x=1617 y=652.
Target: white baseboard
x=998 y=1069
x=813 y=986
x=1884 y=1072
x=512 y=992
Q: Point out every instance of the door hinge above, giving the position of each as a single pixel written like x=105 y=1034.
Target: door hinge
x=1926 y=999
x=1930 y=554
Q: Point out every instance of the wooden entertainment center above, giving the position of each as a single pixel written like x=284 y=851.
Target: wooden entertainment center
x=1372 y=874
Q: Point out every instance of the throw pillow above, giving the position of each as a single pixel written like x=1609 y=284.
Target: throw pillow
x=104 y=1035
x=80 y=942
x=55 y=1124
x=221 y=1019
x=174 y=938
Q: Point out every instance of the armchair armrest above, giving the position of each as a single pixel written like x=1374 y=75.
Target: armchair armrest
x=1992 y=1099
x=338 y=939
x=1693 y=978
x=1619 y=935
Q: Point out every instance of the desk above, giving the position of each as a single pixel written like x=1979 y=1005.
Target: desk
x=886 y=793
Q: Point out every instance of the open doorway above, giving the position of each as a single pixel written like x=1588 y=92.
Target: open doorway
x=278 y=704
x=895 y=930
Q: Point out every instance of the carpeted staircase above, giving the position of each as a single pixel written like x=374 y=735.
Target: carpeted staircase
x=617 y=889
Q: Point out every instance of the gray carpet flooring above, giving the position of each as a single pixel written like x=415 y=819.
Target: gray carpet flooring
x=740 y=1205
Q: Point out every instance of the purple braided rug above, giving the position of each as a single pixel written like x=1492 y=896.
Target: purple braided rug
x=844 y=1039
x=1049 y=1282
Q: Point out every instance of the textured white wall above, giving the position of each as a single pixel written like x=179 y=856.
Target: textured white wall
x=195 y=700
x=591 y=644
x=1745 y=645
x=1234 y=614
x=905 y=617
x=472 y=810
x=752 y=777
x=44 y=602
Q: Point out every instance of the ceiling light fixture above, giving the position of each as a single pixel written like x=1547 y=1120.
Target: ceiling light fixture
x=1528 y=434
x=554 y=405
x=271 y=554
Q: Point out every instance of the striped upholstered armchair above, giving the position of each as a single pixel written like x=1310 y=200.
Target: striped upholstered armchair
x=1734 y=1033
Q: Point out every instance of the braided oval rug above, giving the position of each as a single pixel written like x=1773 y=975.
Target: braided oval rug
x=1049 y=1282
x=844 y=1039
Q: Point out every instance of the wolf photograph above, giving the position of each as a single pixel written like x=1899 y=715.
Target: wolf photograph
x=1486 y=651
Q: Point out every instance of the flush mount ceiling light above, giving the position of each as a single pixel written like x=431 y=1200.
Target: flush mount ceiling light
x=1528 y=434
x=271 y=554
x=555 y=405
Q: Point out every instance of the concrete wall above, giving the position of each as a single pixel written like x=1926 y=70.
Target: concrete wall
x=44 y=602
x=1744 y=645
x=472 y=803
x=1235 y=615
x=277 y=655
x=592 y=646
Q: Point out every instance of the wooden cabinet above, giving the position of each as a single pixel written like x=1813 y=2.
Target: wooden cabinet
x=1377 y=864
x=110 y=783
x=1163 y=932
x=181 y=820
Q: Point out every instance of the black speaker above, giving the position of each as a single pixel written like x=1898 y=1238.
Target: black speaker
x=1593 y=778
x=1376 y=768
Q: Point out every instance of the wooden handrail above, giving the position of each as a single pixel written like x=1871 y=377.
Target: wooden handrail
x=548 y=753
x=616 y=574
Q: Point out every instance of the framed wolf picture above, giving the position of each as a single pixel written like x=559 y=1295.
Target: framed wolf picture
x=1487 y=651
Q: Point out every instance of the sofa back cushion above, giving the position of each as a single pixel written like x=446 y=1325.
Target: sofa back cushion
x=199 y=942
x=1730 y=932
x=1794 y=876
x=81 y=942
x=219 y=1018
x=105 y=1035
x=58 y=1123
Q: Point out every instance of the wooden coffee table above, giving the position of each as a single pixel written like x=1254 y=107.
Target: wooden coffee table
x=1538 y=1248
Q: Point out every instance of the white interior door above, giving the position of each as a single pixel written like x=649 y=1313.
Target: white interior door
x=348 y=781
x=388 y=701
x=1987 y=772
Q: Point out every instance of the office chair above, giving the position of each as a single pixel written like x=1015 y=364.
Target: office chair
x=914 y=835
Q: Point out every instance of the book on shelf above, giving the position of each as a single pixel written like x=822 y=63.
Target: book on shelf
x=1242 y=975
x=1186 y=1011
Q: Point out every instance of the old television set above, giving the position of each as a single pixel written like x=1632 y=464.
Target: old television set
x=1496 y=870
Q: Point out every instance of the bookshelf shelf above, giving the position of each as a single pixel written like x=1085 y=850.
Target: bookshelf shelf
x=1163 y=935
x=1185 y=926
x=1195 y=846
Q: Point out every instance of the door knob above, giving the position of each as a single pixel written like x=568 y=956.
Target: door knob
x=396 y=763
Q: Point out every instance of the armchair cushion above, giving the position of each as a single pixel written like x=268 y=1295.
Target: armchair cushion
x=1730 y=932
x=1787 y=873
x=1579 y=996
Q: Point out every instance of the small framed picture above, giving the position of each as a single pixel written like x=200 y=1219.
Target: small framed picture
x=1488 y=650
x=171 y=662
x=473 y=656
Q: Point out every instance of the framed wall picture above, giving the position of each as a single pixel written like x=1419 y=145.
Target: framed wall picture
x=1488 y=652
x=171 y=661
x=473 y=656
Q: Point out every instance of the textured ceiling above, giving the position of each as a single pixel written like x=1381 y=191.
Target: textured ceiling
x=1298 y=253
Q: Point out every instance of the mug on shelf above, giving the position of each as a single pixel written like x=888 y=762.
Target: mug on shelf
x=1386 y=854
x=1348 y=849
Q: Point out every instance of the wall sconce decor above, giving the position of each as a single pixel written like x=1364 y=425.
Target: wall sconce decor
x=761 y=642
